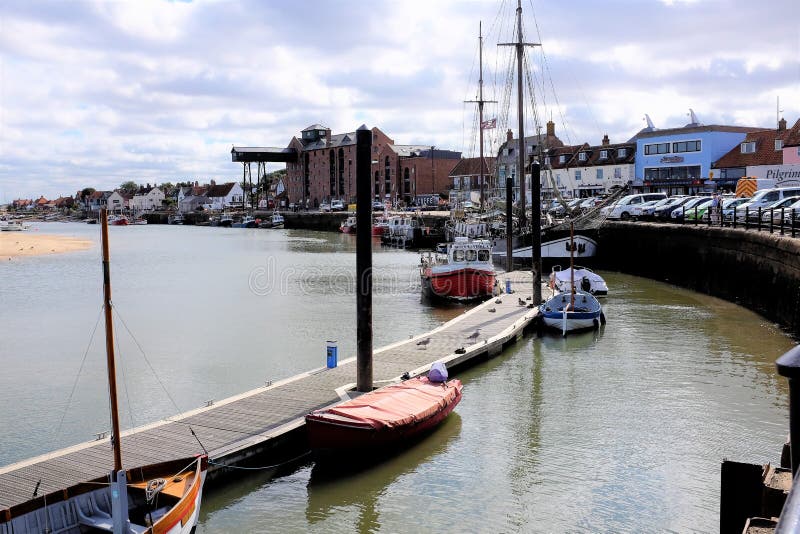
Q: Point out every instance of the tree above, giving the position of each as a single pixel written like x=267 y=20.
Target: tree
x=130 y=187
x=87 y=191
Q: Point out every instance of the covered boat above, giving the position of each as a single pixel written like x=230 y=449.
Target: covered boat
x=462 y=273
x=348 y=226
x=585 y=279
x=383 y=417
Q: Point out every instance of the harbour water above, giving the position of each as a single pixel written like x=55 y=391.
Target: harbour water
x=622 y=430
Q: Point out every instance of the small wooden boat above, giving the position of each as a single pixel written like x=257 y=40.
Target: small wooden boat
x=155 y=498
x=571 y=312
x=384 y=417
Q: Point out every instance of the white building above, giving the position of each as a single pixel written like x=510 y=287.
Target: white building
x=225 y=196
x=147 y=199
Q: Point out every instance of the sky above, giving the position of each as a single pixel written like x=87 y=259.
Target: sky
x=96 y=93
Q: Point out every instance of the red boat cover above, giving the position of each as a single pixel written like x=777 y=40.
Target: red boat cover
x=391 y=406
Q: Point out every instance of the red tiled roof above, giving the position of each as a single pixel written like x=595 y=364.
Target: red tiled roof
x=793 y=137
x=765 y=153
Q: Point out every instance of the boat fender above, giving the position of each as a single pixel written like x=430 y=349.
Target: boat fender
x=438 y=372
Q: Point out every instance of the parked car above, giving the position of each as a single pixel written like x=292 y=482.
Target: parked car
x=623 y=208
x=377 y=205
x=645 y=209
x=731 y=204
x=677 y=213
x=664 y=210
x=773 y=211
x=698 y=211
x=337 y=205
x=324 y=207
x=765 y=197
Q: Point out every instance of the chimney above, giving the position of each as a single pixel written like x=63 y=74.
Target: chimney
x=196 y=184
x=782 y=125
x=551 y=129
x=509 y=136
x=327 y=138
x=213 y=182
x=606 y=142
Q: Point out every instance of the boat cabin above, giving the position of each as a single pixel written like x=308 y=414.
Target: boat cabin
x=462 y=250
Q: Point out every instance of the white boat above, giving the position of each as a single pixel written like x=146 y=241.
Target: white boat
x=277 y=220
x=585 y=279
x=14 y=226
x=584 y=247
x=571 y=312
x=163 y=497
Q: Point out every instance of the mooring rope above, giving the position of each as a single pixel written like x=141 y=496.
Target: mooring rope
x=262 y=468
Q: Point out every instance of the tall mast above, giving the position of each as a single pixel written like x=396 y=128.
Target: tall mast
x=112 y=368
x=520 y=47
x=480 y=103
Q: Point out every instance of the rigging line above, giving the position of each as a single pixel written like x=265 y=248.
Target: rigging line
x=146 y=359
x=289 y=461
x=125 y=384
x=77 y=377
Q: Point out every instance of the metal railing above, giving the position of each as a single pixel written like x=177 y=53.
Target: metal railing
x=781 y=220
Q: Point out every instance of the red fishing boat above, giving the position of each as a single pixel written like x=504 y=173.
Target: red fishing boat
x=348 y=226
x=386 y=416
x=460 y=273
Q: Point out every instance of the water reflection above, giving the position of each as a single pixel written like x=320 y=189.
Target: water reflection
x=334 y=485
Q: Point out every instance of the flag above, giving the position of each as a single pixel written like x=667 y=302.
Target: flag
x=488 y=125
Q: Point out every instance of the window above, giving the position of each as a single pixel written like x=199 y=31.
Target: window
x=622 y=152
x=582 y=156
x=599 y=174
x=686 y=146
x=562 y=158
x=483 y=255
x=749 y=147
x=656 y=148
x=778 y=144
x=577 y=175
x=617 y=173
x=458 y=255
x=547 y=160
x=472 y=255
x=604 y=154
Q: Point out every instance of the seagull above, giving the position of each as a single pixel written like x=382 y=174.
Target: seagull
x=462 y=350
x=424 y=342
x=521 y=302
x=492 y=310
x=498 y=301
x=475 y=335
x=528 y=298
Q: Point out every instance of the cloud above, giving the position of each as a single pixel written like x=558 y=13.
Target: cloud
x=95 y=93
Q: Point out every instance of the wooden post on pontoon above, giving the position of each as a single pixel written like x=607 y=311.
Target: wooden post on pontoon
x=364 y=259
x=112 y=368
x=509 y=225
x=536 y=231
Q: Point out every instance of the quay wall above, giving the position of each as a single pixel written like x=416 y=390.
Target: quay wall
x=313 y=220
x=758 y=270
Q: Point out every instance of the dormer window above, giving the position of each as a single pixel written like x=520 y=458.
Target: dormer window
x=622 y=152
x=749 y=147
x=778 y=144
x=604 y=154
x=582 y=156
x=562 y=158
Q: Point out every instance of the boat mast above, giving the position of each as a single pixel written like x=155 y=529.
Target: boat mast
x=112 y=369
x=520 y=47
x=480 y=103
x=571 y=266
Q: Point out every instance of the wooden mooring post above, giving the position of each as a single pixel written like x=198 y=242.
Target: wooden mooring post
x=364 y=259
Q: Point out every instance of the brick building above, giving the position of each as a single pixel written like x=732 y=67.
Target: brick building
x=325 y=168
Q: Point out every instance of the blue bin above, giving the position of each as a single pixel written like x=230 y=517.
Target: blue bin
x=508 y=285
x=333 y=354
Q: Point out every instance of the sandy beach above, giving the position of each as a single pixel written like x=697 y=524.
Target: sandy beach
x=15 y=244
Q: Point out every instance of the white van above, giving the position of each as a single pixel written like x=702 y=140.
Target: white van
x=765 y=197
x=623 y=208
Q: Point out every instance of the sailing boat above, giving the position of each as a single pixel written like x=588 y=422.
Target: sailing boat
x=157 y=498
x=573 y=310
